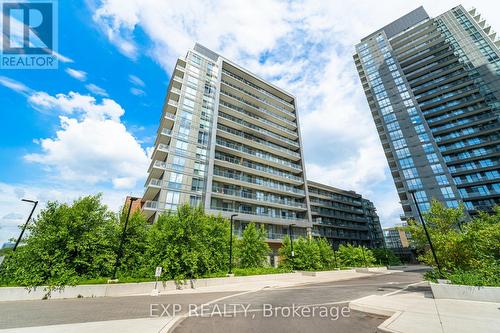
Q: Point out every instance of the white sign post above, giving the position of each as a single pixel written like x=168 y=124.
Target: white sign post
x=157 y=275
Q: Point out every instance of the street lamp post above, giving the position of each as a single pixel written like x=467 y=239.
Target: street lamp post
x=412 y=192
x=122 y=240
x=231 y=245
x=35 y=203
x=290 y=230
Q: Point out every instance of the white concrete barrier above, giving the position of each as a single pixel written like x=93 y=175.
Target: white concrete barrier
x=145 y=288
x=465 y=293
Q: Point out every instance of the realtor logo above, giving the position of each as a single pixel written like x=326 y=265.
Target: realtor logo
x=29 y=34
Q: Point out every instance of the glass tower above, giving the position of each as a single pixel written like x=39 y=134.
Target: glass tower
x=433 y=88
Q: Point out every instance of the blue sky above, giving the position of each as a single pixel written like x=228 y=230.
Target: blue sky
x=87 y=126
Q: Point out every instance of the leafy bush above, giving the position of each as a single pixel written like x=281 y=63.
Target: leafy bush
x=187 y=244
x=355 y=256
x=252 y=249
x=310 y=254
x=64 y=244
x=385 y=257
x=468 y=252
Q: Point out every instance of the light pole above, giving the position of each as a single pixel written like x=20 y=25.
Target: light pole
x=412 y=192
x=122 y=240
x=290 y=230
x=231 y=245
x=35 y=203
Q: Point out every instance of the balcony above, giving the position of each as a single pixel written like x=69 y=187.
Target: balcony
x=165 y=136
x=157 y=169
x=263 y=101
x=153 y=187
x=255 y=154
x=150 y=208
x=273 y=186
x=160 y=153
x=253 y=198
x=233 y=134
x=238 y=123
x=262 y=122
x=257 y=169
x=260 y=217
x=257 y=88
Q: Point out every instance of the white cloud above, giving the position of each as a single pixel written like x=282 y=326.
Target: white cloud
x=303 y=46
x=96 y=90
x=74 y=103
x=136 y=91
x=77 y=74
x=136 y=80
x=61 y=57
x=93 y=146
x=14 y=85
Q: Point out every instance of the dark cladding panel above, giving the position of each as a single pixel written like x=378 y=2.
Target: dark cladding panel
x=405 y=22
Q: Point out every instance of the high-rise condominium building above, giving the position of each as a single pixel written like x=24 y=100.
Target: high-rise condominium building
x=230 y=142
x=433 y=88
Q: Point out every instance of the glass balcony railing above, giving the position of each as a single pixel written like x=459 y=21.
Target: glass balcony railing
x=257 y=181
x=245 y=211
x=255 y=139
x=249 y=114
x=254 y=196
x=257 y=153
x=258 y=167
x=257 y=128
x=166 y=131
x=276 y=106
x=256 y=87
x=160 y=164
x=153 y=205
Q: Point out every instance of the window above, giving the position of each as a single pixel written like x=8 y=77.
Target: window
x=192 y=81
x=437 y=168
x=432 y=158
x=396 y=135
x=452 y=203
x=442 y=180
x=414 y=184
x=406 y=163
x=197 y=184
x=423 y=137
x=392 y=127
x=172 y=200
x=188 y=104
x=190 y=92
x=428 y=148
x=202 y=138
x=402 y=153
x=199 y=168
x=178 y=163
x=447 y=192
x=194 y=200
x=181 y=146
x=420 y=196
x=410 y=173
x=399 y=143
x=412 y=111
x=420 y=129
x=390 y=118
x=175 y=181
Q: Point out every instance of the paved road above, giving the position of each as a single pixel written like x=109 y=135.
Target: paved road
x=329 y=298
x=272 y=310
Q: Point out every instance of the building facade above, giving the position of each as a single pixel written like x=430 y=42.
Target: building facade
x=230 y=142
x=399 y=242
x=433 y=88
x=343 y=217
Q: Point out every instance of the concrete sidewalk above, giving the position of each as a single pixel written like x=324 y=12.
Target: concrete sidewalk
x=418 y=312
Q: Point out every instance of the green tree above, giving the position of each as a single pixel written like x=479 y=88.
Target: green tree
x=64 y=244
x=327 y=257
x=252 y=249
x=469 y=252
x=306 y=254
x=386 y=257
x=133 y=256
x=187 y=244
x=355 y=256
